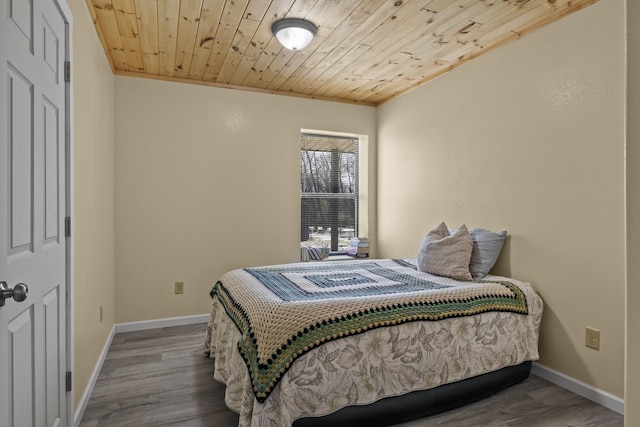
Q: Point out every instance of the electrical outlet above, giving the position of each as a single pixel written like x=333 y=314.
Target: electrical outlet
x=101 y=314
x=179 y=288
x=592 y=338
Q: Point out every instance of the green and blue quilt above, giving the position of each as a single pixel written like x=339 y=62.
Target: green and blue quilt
x=285 y=311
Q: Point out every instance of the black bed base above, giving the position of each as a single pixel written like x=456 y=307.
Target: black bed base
x=420 y=404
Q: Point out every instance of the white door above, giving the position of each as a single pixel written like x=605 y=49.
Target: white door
x=32 y=213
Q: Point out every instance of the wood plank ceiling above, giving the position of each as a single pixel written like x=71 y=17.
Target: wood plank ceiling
x=366 y=51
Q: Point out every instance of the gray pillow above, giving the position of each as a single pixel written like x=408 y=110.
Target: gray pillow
x=446 y=255
x=486 y=249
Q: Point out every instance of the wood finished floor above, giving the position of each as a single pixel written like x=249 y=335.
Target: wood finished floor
x=160 y=377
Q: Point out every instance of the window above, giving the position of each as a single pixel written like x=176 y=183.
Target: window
x=329 y=190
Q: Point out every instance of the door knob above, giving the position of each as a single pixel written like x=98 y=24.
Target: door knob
x=18 y=293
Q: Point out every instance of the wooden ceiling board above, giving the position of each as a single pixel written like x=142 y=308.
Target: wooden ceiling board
x=223 y=42
x=381 y=61
x=366 y=51
x=328 y=16
x=167 y=36
x=188 y=22
x=204 y=38
x=125 y=13
x=342 y=48
x=263 y=48
x=147 y=24
x=105 y=20
x=251 y=54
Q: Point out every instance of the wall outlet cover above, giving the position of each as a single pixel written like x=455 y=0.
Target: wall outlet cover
x=179 y=288
x=592 y=338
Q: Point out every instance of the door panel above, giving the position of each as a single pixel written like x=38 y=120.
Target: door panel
x=21 y=15
x=21 y=356
x=51 y=172
x=50 y=50
x=53 y=375
x=32 y=212
x=20 y=107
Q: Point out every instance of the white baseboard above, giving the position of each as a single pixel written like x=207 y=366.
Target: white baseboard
x=596 y=395
x=84 y=400
x=128 y=327
x=161 y=323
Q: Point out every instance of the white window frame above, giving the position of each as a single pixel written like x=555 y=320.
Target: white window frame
x=361 y=213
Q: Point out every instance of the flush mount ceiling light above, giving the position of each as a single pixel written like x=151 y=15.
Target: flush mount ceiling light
x=294 y=33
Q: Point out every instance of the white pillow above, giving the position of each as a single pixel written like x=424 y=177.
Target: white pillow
x=446 y=255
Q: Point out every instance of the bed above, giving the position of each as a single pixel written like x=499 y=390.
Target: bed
x=327 y=343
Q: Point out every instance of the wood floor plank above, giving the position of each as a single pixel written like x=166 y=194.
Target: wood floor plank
x=160 y=377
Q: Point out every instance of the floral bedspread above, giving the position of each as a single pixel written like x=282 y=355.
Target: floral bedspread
x=381 y=362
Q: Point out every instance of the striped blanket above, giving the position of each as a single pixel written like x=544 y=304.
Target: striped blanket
x=284 y=311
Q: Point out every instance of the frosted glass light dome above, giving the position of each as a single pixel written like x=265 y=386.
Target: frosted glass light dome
x=294 y=33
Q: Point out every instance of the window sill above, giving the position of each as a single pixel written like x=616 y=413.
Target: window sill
x=343 y=258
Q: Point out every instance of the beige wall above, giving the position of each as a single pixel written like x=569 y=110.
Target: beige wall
x=207 y=180
x=93 y=214
x=528 y=138
x=632 y=360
